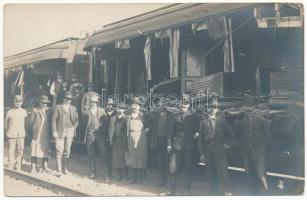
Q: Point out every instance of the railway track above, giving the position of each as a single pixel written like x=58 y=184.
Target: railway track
x=66 y=191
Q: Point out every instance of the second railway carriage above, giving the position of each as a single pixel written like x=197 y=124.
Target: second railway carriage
x=31 y=73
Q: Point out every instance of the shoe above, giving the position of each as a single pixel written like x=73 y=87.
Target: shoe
x=58 y=174
x=17 y=167
x=33 y=170
x=167 y=193
x=92 y=175
x=227 y=193
x=65 y=167
x=59 y=166
x=45 y=166
x=160 y=184
x=132 y=181
x=118 y=178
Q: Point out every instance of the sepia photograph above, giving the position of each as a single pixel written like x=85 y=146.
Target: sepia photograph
x=153 y=99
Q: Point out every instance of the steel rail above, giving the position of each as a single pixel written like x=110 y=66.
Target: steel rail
x=39 y=181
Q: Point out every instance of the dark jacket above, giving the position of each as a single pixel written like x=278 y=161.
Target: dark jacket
x=101 y=114
x=155 y=119
x=209 y=134
x=251 y=131
x=118 y=128
x=58 y=119
x=182 y=130
x=35 y=121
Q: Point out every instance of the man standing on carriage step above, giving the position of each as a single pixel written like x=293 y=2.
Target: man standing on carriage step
x=57 y=90
x=212 y=131
x=95 y=118
x=64 y=125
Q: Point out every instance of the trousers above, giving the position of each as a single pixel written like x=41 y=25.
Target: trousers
x=15 y=144
x=98 y=145
x=177 y=160
x=63 y=144
x=216 y=166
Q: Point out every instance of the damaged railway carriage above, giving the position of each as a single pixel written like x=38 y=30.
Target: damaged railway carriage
x=31 y=73
x=226 y=49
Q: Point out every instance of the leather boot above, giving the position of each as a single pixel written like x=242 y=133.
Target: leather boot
x=59 y=165
x=92 y=169
x=45 y=165
x=171 y=186
x=33 y=165
x=107 y=176
x=134 y=176
x=187 y=184
x=65 y=166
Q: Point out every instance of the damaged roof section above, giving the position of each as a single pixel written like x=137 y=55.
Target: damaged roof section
x=65 y=49
x=164 y=18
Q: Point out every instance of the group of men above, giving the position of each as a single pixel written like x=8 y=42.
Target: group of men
x=119 y=134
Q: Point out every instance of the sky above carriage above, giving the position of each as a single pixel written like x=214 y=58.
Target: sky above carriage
x=27 y=26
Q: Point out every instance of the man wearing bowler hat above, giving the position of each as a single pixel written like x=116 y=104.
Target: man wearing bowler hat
x=15 y=125
x=64 y=125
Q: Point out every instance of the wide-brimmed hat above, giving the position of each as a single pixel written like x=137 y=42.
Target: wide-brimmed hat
x=44 y=99
x=17 y=99
x=68 y=95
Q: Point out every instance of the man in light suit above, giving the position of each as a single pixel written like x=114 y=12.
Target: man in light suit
x=64 y=124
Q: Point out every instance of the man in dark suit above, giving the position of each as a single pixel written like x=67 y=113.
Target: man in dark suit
x=161 y=126
x=252 y=129
x=64 y=124
x=180 y=144
x=212 y=131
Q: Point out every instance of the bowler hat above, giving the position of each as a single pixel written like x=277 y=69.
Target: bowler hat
x=44 y=99
x=68 y=95
x=18 y=99
x=110 y=101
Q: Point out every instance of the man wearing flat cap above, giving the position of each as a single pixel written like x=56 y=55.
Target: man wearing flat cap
x=180 y=145
x=15 y=125
x=64 y=124
x=95 y=118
